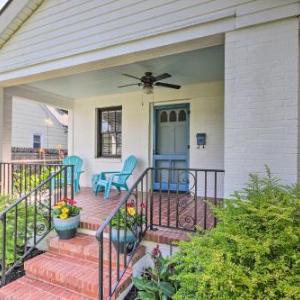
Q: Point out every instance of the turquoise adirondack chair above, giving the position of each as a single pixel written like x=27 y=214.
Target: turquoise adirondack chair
x=77 y=163
x=117 y=179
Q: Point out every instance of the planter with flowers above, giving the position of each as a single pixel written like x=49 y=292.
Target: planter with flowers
x=66 y=218
x=126 y=227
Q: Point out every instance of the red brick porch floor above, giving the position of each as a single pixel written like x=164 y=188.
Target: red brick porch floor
x=95 y=209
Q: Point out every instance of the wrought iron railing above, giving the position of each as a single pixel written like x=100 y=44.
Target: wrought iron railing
x=19 y=178
x=25 y=222
x=161 y=197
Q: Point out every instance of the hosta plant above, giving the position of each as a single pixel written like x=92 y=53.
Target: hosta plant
x=155 y=283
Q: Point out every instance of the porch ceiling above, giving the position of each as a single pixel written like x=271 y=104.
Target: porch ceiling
x=186 y=68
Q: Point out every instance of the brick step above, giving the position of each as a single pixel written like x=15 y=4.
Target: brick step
x=30 y=289
x=77 y=275
x=87 y=247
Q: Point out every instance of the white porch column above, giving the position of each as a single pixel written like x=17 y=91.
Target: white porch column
x=70 y=132
x=261 y=102
x=5 y=126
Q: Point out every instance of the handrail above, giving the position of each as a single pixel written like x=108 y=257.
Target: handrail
x=122 y=202
x=27 y=221
x=30 y=193
x=163 y=197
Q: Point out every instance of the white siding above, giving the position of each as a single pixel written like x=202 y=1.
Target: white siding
x=207 y=111
x=28 y=118
x=59 y=29
x=261 y=102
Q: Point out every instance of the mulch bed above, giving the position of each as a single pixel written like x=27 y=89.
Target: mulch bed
x=132 y=294
x=19 y=270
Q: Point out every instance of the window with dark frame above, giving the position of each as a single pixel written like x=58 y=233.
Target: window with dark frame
x=36 y=141
x=109 y=132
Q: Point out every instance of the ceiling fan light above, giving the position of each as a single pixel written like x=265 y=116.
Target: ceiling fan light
x=148 y=90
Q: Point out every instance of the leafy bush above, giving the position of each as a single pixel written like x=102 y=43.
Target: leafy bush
x=156 y=283
x=27 y=179
x=41 y=221
x=253 y=253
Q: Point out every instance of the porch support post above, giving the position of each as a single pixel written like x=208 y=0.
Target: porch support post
x=70 y=132
x=262 y=102
x=5 y=126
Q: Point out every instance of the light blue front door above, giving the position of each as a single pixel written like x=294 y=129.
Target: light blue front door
x=171 y=146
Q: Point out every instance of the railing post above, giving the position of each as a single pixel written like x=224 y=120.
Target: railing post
x=66 y=182
x=151 y=198
x=72 y=181
x=3 y=260
x=101 y=296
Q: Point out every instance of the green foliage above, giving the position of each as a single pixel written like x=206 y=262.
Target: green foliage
x=128 y=217
x=253 y=253
x=19 y=234
x=25 y=181
x=156 y=283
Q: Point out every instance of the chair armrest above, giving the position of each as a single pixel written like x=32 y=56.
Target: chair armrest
x=120 y=174
x=111 y=172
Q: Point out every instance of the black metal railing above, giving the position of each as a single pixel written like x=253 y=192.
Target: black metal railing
x=25 y=222
x=19 y=178
x=161 y=197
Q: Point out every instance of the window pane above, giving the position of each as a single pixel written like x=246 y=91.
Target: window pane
x=173 y=116
x=112 y=121
x=104 y=119
x=163 y=117
x=119 y=121
x=110 y=132
x=36 y=141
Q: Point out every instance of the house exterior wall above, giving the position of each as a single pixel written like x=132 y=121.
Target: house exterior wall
x=61 y=34
x=28 y=118
x=262 y=102
x=206 y=115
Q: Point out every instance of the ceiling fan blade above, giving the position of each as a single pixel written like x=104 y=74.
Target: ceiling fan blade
x=131 y=76
x=168 y=85
x=125 y=85
x=162 y=76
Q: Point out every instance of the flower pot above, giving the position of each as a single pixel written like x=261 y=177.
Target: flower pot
x=125 y=242
x=66 y=229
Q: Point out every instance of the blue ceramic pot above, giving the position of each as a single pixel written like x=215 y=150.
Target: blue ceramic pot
x=66 y=229
x=125 y=242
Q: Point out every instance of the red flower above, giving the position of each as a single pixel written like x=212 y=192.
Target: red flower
x=143 y=205
x=131 y=204
x=69 y=201
x=156 y=251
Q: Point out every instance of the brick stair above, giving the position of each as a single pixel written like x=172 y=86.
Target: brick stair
x=69 y=270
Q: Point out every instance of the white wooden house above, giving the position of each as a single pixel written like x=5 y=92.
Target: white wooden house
x=36 y=126
x=237 y=63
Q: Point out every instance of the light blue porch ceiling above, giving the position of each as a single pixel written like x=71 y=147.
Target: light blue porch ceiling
x=186 y=68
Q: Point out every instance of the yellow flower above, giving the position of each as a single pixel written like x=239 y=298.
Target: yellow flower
x=63 y=216
x=61 y=203
x=65 y=210
x=56 y=207
x=131 y=211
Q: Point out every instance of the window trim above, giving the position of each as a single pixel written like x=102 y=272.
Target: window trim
x=99 y=111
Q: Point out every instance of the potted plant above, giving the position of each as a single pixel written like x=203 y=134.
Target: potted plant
x=66 y=218
x=126 y=226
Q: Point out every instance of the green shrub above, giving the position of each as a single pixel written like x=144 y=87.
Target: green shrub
x=25 y=181
x=253 y=253
x=19 y=235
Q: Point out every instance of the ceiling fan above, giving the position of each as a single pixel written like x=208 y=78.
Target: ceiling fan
x=147 y=81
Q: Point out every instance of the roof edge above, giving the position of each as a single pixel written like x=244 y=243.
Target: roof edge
x=13 y=15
